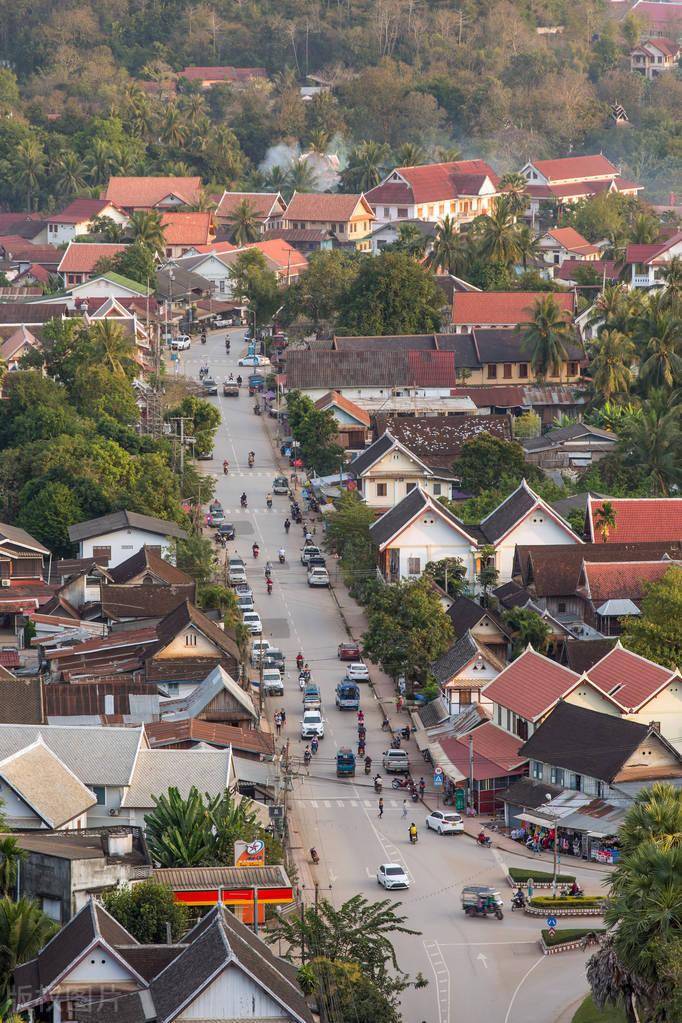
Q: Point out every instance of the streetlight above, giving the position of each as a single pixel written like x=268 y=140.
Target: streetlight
x=548 y=796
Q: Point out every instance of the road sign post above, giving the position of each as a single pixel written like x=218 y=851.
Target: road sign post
x=438 y=777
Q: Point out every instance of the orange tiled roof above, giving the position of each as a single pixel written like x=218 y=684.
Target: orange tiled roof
x=570 y=168
x=615 y=580
x=639 y=519
x=501 y=307
x=318 y=206
x=187 y=228
x=83 y=257
x=261 y=202
x=638 y=678
x=531 y=684
x=146 y=192
x=572 y=240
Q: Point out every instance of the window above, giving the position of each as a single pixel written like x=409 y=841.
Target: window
x=576 y=782
x=99 y=793
x=52 y=908
x=537 y=769
x=101 y=552
x=221 y=287
x=523 y=369
x=507 y=371
x=561 y=606
x=382 y=489
x=409 y=487
x=556 y=776
x=437 y=489
x=191 y=639
x=492 y=372
x=599 y=788
x=499 y=715
x=573 y=369
x=109 y=703
x=414 y=566
x=402 y=211
x=464 y=696
x=521 y=728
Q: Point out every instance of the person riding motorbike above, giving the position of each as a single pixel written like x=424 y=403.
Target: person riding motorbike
x=255 y=550
x=239 y=380
x=361 y=717
x=412 y=830
x=287 y=525
x=268 y=500
x=483 y=839
x=378 y=784
x=519 y=899
x=299 y=660
x=307 y=755
x=251 y=459
x=282 y=555
x=268 y=569
x=243 y=500
x=422 y=786
x=575 y=890
x=315 y=744
x=368 y=764
x=314 y=855
x=269 y=586
x=361 y=747
x=226 y=467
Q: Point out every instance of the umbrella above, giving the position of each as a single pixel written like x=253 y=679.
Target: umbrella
x=298 y=463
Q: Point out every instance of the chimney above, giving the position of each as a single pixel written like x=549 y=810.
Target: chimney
x=118 y=843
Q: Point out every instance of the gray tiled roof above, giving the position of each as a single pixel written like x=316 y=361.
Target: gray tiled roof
x=454 y=659
x=124 y=520
x=465 y=613
x=371 y=454
x=434 y=712
x=402 y=513
x=157 y=770
x=98 y=756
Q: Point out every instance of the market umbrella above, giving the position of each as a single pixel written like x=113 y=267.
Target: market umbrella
x=298 y=462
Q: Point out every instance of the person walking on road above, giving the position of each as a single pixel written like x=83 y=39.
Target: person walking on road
x=278 y=722
x=381 y=808
x=404 y=808
x=283 y=716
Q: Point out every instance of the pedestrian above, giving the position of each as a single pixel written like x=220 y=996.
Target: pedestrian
x=278 y=722
x=283 y=716
x=404 y=808
x=381 y=808
x=399 y=704
x=530 y=888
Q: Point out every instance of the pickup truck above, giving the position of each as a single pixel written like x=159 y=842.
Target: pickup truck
x=311 y=698
x=230 y=389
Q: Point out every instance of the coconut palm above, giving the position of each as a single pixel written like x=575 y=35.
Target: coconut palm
x=138 y=111
x=545 y=336
x=605 y=520
x=411 y=240
x=24 y=930
x=514 y=187
x=645 y=229
x=101 y=162
x=173 y=128
x=409 y=154
x=529 y=245
x=659 y=333
x=498 y=234
x=204 y=204
x=365 y=167
x=611 y=364
x=652 y=443
x=114 y=347
x=655 y=815
x=451 y=251
x=29 y=164
x=11 y=854
x=244 y=223
x=276 y=179
x=318 y=141
x=69 y=178
x=107 y=229
x=611 y=307
x=448 y=154
x=301 y=177
x=672 y=275
x=146 y=227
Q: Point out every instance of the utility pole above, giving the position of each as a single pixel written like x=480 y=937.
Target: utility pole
x=471 y=769
x=181 y=420
x=556 y=860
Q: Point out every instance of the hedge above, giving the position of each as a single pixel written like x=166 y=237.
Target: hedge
x=548 y=902
x=520 y=875
x=566 y=934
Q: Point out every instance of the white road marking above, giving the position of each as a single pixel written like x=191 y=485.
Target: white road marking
x=442 y=975
x=480 y=958
x=327 y=804
x=369 y=873
x=353 y=802
x=366 y=802
x=520 y=985
x=339 y=802
x=313 y=802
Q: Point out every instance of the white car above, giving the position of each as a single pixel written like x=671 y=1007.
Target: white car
x=312 y=724
x=259 y=647
x=181 y=342
x=272 y=682
x=236 y=574
x=392 y=875
x=254 y=360
x=253 y=623
x=318 y=576
x=245 y=602
x=357 y=672
x=309 y=551
x=445 y=822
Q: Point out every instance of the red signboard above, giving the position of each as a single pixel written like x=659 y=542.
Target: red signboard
x=236 y=896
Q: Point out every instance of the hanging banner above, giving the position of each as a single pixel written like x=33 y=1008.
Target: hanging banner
x=249 y=854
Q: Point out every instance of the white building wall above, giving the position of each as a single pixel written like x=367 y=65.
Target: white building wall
x=537 y=528
x=124 y=543
x=234 y=997
x=430 y=538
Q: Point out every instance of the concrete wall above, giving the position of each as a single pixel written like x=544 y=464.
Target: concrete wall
x=124 y=543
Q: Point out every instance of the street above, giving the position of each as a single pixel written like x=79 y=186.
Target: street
x=493 y=968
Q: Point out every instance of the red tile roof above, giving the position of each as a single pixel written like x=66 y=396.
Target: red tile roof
x=336 y=398
x=282 y=253
x=665 y=46
x=433 y=181
x=168 y=733
x=575 y=168
x=531 y=684
x=323 y=207
x=496 y=752
x=187 y=228
x=261 y=202
x=501 y=307
x=649 y=253
x=22 y=249
x=9 y=658
x=570 y=239
x=626 y=580
x=663 y=15
x=146 y=192
x=80 y=210
x=432 y=369
x=83 y=257
x=600 y=266
x=391 y=193
x=639 y=678
x=639 y=519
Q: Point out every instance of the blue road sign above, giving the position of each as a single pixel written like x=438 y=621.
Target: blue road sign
x=551 y=921
x=438 y=777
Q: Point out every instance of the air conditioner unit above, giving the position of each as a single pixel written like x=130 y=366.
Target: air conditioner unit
x=5 y=582
x=114 y=813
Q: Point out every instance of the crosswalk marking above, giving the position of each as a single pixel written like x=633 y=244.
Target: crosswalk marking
x=327 y=804
x=353 y=802
x=313 y=803
x=366 y=802
x=339 y=802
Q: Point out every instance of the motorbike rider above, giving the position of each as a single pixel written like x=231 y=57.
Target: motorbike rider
x=231 y=376
x=314 y=745
x=269 y=586
x=482 y=838
x=368 y=764
x=255 y=550
x=239 y=380
x=519 y=898
x=413 y=832
x=378 y=783
x=422 y=786
x=307 y=755
x=282 y=555
x=287 y=525
x=243 y=500
x=299 y=660
x=226 y=466
x=268 y=569
x=575 y=889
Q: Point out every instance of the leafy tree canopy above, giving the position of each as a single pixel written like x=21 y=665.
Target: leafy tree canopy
x=391 y=294
x=145 y=909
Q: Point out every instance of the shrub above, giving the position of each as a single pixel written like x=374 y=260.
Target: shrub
x=566 y=934
x=549 y=902
x=520 y=876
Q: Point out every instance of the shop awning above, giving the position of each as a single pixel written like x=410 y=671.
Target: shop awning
x=556 y=810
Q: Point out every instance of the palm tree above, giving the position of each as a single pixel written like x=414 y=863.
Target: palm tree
x=318 y=141
x=204 y=203
x=448 y=154
x=645 y=229
x=514 y=187
x=69 y=177
x=411 y=240
x=611 y=308
x=545 y=336
x=114 y=347
x=173 y=128
x=605 y=520
x=29 y=164
x=611 y=364
x=498 y=234
x=409 y=154
x=529 y=245
x=301 y=177
x=655 y=816
x=146 y=227
x=659 y=332
x=244 y=223
x=451 y=251
x=276 y=179
x=365 y=167
x=672 y=275
x=101 y=162
x=11 y=854
x=138 y=110
x=652 y=443
x=24 y=930
x=107 y=229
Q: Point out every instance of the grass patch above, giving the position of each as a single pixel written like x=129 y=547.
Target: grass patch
x=548 y=902
x=589 y=1013
x=566 y=934
x=520 y=875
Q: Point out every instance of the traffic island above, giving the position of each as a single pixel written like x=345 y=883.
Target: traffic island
x=543 y=905
x=569 y=939
x=517 y=876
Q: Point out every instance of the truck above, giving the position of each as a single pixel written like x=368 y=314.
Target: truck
x=345 y=763
x=348 y=696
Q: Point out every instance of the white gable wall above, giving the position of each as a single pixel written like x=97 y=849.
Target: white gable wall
x=234 y=997
x=666 y=709
x=537 y=528
x=99 y=967
x=590 y=698
x=124 y=543
x=431 y=538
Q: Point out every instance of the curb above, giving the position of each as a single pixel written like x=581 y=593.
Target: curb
x=545 y=911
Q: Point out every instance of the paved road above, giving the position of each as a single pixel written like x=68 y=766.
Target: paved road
x=490 y=967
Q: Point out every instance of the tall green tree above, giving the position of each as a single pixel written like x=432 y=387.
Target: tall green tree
x=486 y=460
x=655 y=633
x=301 y=177
x=407 y=629
x=651 y=444
x=244 y=224
x=254 y=282
x=69 y=177
x=659 y=332
x=527 y=628
x=514 y=187
x=605 y=520
x=11 y=856
x=316 y=432
x=24 y=930
x=613 y=356
x=497 y=234
x=146 y=228
x=365 y=167
x=451 y=250
x=318 y=291
x=391 y=294
x=145 y=910
x=29 y=166
x=546 y=334
x=347 y=535
x=196 y=830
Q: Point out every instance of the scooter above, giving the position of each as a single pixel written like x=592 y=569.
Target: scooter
x=518 y=903
x=269 y=586
x=378 y=784
x=314 y=744
x=301 y=682
x=368 y=765
x=268 y=501
x=415 y=796
x=282 y=557
x=256 y=412
x=203 y=339
x=485 y=842
x=414 y=838
x=402 y=783
x=255 y=550
x=314 y=856
x=226 y=468
x=244 y=502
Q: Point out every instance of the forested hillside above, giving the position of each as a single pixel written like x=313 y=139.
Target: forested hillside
x=430 y=76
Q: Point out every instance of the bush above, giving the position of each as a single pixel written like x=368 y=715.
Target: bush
x=549 y=902
x=520 y=876
x=566 y=934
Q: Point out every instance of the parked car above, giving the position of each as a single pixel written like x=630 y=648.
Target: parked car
x=235 y=559
x=347 y=696
x=236 y=574
x=182 y=342
x=312 y=724
x=280 y=485
x=223 y=321
x=357 y=672
x=349 y=651
x=209 y=386
x=318 y=560
x=204 y=456
x=274 y=658
x=253 y=623
x=226 y=529
x=245 y=602
x=230 y=389
x=445 y=822
x=254 y=360
x=272 y=682
x=392 y=875
x=307 y=551
x=242 y=588
x=215 y=517
x=318 y=576
x=395 y=761
x=259 y=648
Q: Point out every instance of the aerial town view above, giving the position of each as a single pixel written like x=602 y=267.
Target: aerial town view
x=341 y=511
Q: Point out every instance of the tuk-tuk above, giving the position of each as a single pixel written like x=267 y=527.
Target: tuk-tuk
x=480 y=900
x=345 y=763
x=256 y=383
x=348 y=696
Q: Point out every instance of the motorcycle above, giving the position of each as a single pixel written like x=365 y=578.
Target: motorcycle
x=368 y=765
x=268 y=501
x=484 y=841
x=306 y=757
x=269 y=586
x=299 y=661
x=287 y=526
x=402 y=783
x=256 y=412
x=282 y=557
x=314 y=745
x=243 y=502
x=227 y=344
x=314 y=856
x=301 y=682
x=226 y=468
x=415 y=796
x=518 y=903
x=395 y=743
x=203 y=339
x=414 y=837
x=255 y=550
x=378 y=784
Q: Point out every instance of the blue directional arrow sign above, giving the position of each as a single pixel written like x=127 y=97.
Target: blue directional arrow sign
x=551 y=921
